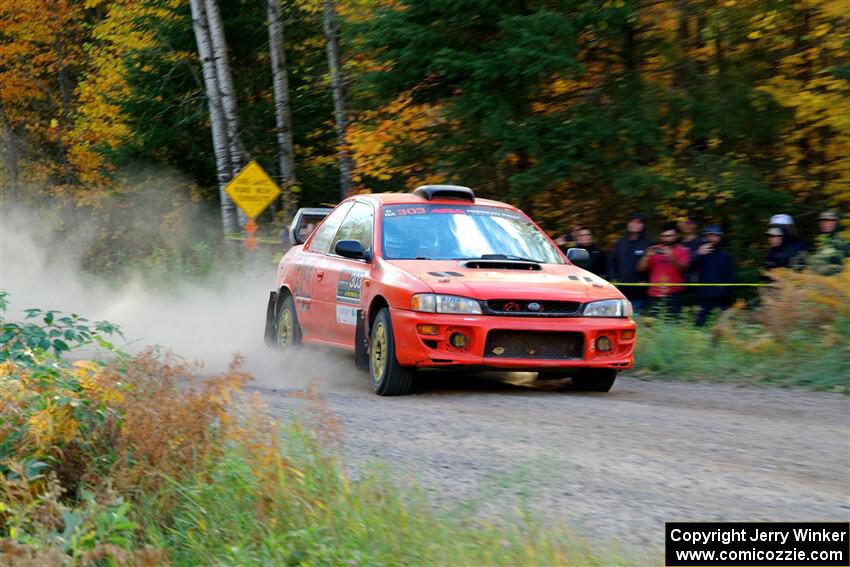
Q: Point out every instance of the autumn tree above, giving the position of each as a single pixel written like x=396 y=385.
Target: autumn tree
x=41 y=57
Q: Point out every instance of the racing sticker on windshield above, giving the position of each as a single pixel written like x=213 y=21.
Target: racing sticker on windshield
x=475 y=210
x=348 y=287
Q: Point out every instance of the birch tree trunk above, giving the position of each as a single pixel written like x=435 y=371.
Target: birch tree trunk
x=283 y=115
x=346 y=165
x=10 y=153
x=226 y=92
x=224 y=167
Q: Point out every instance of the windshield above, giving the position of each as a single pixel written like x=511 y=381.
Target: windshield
x=453 y=232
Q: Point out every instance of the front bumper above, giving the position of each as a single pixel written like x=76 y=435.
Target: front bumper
x=414 y=348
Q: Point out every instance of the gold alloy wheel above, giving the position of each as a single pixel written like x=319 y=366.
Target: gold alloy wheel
x=378 y=352
x=284 y=329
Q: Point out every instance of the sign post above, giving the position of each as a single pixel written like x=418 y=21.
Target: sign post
x=252 y=190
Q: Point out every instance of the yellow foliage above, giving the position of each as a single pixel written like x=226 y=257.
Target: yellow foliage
x=51 y=425
x=376 y=135
x=818 y=139
x=99 y=122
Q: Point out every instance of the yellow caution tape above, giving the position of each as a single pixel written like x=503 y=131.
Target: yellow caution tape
x=646 y=284
x=258 y=240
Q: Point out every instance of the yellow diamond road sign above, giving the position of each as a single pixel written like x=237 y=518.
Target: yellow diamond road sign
x=252 y=190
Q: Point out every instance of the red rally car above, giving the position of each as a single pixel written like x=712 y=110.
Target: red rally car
x=439 y=279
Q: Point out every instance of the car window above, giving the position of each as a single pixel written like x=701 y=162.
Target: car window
x=356 y=226
x=321 y=242
x=440 y=232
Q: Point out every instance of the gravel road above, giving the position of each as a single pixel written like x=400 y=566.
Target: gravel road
x=615 y=466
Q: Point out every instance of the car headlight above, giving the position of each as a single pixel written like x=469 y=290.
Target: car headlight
x=608 y=308
x=435 y=303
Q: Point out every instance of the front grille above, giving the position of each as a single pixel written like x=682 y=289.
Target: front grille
x=534 y=344
x=530 y=308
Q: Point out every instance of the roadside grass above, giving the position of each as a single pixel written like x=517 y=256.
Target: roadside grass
x=304 y=510
x=677 y=350
x=140 y=461
x=798 y=335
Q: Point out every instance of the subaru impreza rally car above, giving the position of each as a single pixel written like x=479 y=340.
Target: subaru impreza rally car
x=437 y=278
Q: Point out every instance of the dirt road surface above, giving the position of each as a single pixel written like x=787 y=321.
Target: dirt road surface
x=614 y=467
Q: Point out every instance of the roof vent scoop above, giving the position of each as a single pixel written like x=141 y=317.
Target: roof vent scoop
x=431 y=192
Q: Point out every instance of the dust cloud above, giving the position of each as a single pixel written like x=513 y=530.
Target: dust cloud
x=204 y=321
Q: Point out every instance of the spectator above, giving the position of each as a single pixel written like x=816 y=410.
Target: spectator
x=624 y=258
x=563 y=242
x=786 y=223
x=596 y=263
x=568 y=240
x=831 y=250
x=780 y=253
x=306 y=230
x=666 y=263
x=714 y=266
x=690 y=237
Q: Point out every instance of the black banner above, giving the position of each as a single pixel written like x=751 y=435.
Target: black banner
x=808 y=544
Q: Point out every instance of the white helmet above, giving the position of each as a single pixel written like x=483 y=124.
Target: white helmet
x=781 y=219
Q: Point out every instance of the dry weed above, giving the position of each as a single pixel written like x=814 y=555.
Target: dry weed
x=174 y=420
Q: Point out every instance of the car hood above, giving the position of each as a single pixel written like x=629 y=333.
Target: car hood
x=564 y=282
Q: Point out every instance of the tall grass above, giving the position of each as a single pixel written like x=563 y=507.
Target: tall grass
x=303 y=509
x=142 y=462
x=798 y=335
x=676 y=350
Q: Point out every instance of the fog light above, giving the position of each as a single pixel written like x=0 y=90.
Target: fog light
x=603 y=344
x=627 y=335
x=458 y=340
x=428 y=329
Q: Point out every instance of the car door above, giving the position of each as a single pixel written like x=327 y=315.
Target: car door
x=344 y=277
x=309 y=276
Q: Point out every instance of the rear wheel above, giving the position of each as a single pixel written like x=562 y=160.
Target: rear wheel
x=288 y=329
x=595 y=379
x=389 y=378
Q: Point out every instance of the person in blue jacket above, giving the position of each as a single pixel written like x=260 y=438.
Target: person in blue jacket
x=714 y=265
x=623 y=260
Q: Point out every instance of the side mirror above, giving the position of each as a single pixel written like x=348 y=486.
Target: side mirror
x=351 y=249
x=578 y=256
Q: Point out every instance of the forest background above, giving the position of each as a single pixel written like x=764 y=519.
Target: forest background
x=578 y=111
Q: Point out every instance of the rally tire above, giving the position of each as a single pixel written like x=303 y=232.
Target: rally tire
x=361 y=344
x=270 y=331
x=288 y=331
x=595 y=379
x=387 y=376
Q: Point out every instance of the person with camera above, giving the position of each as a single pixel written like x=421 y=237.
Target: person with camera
x=714 y=266
x=667 y=263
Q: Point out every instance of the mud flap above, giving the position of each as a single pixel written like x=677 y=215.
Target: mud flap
x=361 y=343
x=270 y=334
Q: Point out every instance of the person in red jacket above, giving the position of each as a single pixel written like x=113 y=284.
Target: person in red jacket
x=667 y=263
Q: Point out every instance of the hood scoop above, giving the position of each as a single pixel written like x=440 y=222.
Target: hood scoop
x=502 y=265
